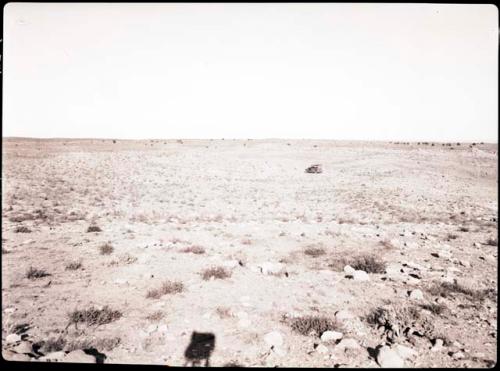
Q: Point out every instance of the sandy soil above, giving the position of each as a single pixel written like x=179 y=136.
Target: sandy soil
x=426 y=213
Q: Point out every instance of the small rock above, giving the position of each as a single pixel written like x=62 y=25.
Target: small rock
x=458 y=355
x=271 y=268
x=273 y=339
x=11 y=356
x=395 y=242
x=343 y=314
x=279 y=351
x=360 y=276
x=12 y=338
x=465 y=263
x=438 y=345
x=349 y=270
x=389 y=358
x=151 y=328
x=416 y=295
x=231 y=263
x=348 y=344
x=411 y=245
x=405 y=352
x=331 y=336
x=321 y=349
x=242 y=315
x=10 y=310
x=244 y=323
x=23 y=348
x=79 y=356
x=444 y=254
x=53 y=357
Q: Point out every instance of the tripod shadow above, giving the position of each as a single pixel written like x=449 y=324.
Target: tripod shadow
x=199 y=349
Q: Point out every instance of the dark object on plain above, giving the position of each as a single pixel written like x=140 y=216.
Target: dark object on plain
x=314 y=169
x=201 y=347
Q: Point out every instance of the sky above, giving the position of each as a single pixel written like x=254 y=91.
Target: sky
x=314 y=71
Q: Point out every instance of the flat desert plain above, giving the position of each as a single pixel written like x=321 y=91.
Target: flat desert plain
x=181 y=252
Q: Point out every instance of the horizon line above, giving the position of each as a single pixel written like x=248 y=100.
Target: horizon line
x=257 y=139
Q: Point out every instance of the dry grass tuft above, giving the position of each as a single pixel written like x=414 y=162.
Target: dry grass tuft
x=168 y=287
x=368 y=263
x=21 y=218
x=34 y=273
x=216 y=273
x=387 y=244
x=51 y=345
x=106 y=249
x=198 y=250
x=400 y=321
x=446 y=289
x=437 y=309
x=93 y=316
x=22 y=229
x=492 y=242
x=314 y=251
x=312 y=325
x=223 y=312
x=74 y=265
x=93 y=228
x=87 y=343
x=155 y=316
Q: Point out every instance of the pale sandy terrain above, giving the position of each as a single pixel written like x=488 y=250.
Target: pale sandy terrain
x=427 y=214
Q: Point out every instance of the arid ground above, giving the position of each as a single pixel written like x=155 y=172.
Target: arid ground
x=118 y=252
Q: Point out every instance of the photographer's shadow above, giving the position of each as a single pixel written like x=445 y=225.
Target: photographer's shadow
x=199 y=349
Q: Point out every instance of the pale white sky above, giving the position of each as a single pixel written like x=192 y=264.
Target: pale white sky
x=331 y=71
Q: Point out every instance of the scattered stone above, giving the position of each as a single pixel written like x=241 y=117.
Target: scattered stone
x=343 y=314
x=331 y=336
x=11 y=356
x=360 y=276
x=271 y=268
x=415 y=266
x=458 y=355
x=79 y=356
x=405 y=352
x=395 y=242
x=438 y=345
x=442 y=254
x=411 y=245
x=416 y=295
x=465 y=263
x=314 y=169
x=23 y=348
x=321 y=349
x=349 y=270
x=12 y=338
x=53 y=357
x=273 y=339
x=231 y=264
x=348 y=344
x=389 y=358
x=244 y=323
